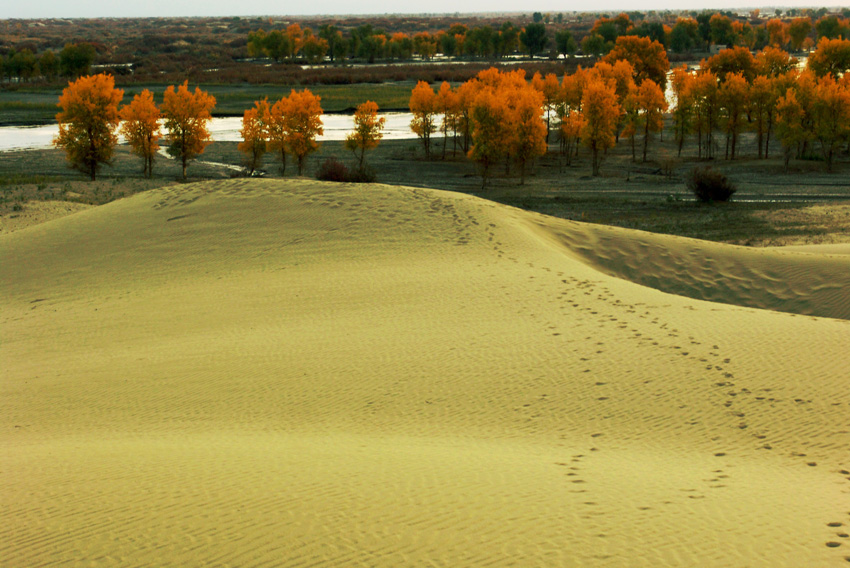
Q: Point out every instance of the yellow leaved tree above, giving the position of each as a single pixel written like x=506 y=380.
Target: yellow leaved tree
x=88 y=121
x=186 y=116
x=140 y=127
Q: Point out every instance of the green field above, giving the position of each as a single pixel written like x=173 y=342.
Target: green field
x=31 y=105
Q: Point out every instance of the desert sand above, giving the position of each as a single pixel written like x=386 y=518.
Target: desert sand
x=291 y=373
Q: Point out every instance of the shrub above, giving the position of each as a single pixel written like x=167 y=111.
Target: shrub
x=332 y=170
x=363 y=175
x=708 y=185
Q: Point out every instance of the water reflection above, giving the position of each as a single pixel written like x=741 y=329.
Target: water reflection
x=336 y=126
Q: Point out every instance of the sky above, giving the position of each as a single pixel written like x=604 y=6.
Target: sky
x=163 y=8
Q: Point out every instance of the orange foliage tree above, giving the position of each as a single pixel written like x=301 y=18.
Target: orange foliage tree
x=529 y=132
x=571 y=127
x=186 y=118
x=423 y=102
x=731 y=60
x=798 y=30
x=704 y=93
x=550 y=88
x=777 y=32
x=651 y=104
x=140 y=126
x=790 y=118
x=772 y=62
x=367 y=131
x=831 y=116
x=734 y=99
x=795 y=115
x=447 y=103
x=569 y=110
x=302 y=124
x=87 y=122
x=762 y=101
x=832 y=57
x=683 y=112
x=276 y=131
x=490 y=131
x=255 y=133
x=647 y=57
x=507 y=121
x=601 y=113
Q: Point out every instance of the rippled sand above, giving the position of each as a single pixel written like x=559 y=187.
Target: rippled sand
x=290 y=373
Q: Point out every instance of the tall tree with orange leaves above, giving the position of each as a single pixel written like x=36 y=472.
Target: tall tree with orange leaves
x=490 y=131
x=368 y=131
x=423 y=105
x=140 y=127
x=734 y=97
x=798 y=31
x=831 y=116
x=186 y=117
x=683 y=112
x=87 y=122
x=647 y=57
x=790 y=124
x=447 y=103
x=303 y=123
x=276 y=131
x=778 y=33
x=571 y=126
x=832 y=57
x=550 y=88
x=255 y=133
x=651 y=104
x=703 y=91
x=762 y=100
x=601 y=113
x=528 y=136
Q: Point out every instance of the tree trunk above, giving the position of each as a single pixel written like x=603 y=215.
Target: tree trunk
x=595 y=152
x=767 y=138
x=734 y=142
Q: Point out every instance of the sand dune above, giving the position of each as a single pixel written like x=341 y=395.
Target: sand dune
x=269 y=373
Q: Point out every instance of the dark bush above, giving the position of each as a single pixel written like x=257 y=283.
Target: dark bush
x=332 y=170
x=708 y=185
x=363 y=175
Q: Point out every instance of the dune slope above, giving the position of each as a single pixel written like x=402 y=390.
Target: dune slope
x=267 y=373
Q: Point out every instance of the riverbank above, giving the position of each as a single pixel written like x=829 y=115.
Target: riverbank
x=771 y=207
x=222 y=129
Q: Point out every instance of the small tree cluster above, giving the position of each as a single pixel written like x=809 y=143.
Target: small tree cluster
x=90 y=118
x=733 y=91
x=290 y=126
x=506 y=123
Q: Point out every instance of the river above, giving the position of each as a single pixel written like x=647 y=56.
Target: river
x=336 y=126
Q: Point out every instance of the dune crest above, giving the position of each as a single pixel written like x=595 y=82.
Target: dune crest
x=294 y=373
x=780 y=279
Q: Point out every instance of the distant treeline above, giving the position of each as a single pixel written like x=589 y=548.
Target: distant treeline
x=227 y=49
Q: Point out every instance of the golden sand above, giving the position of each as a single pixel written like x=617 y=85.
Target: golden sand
x=291 y=373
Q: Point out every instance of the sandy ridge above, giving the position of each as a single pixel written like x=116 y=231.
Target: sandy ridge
x=294 y=373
